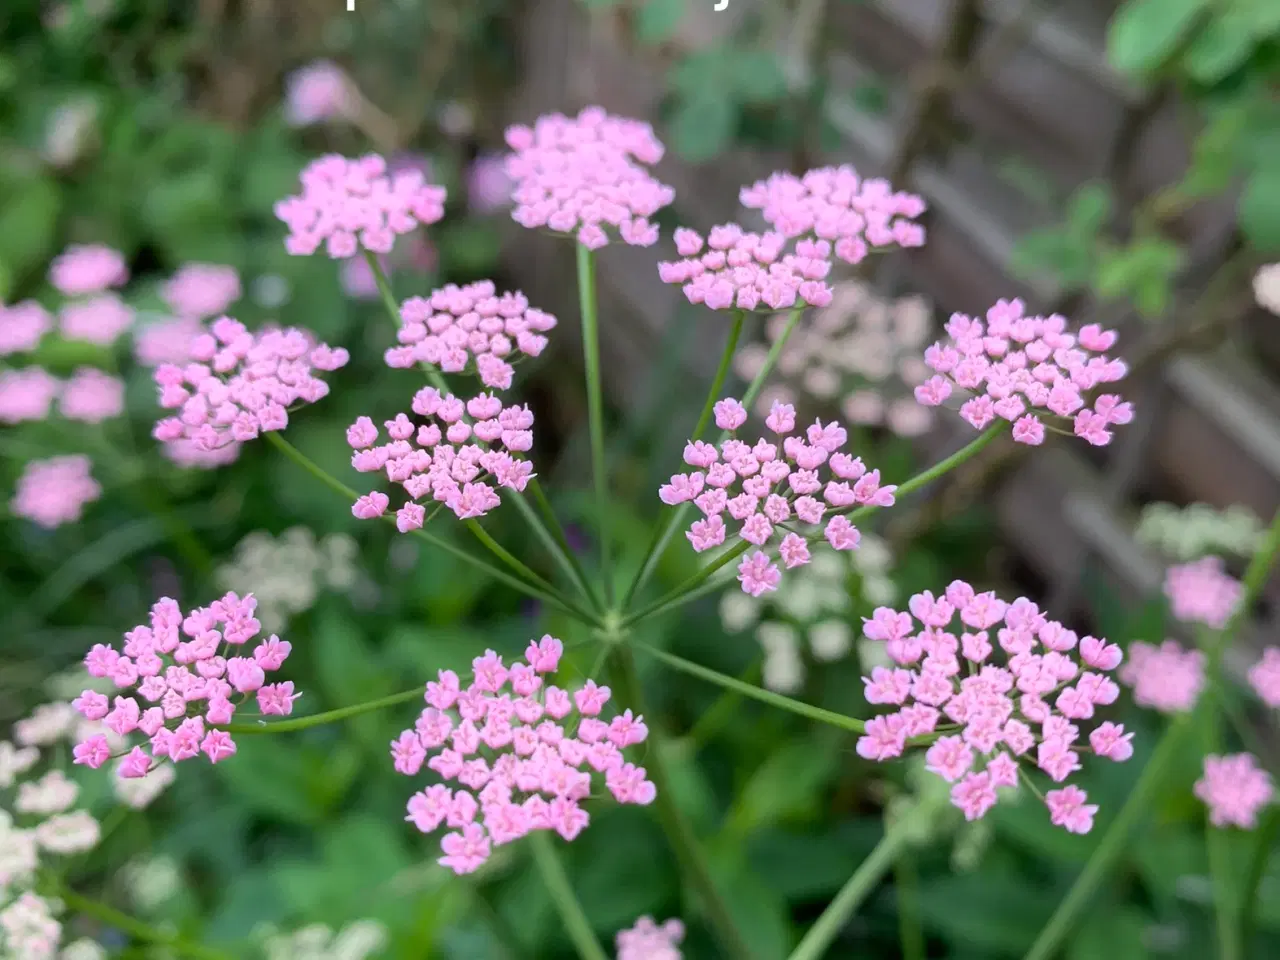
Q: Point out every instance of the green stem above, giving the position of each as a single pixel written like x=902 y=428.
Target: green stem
x=906 y=883
x=595 y=407
x=723 y=711
x=298 y=457
x=331 y=716
x=384 y=288
x=1151 y=781
x=659 y=545
x=503 y=554
x=680 y=835
x=1225 y=912
x=553 y=538
x=1257 y=868
x=136 y=928
x=683 y=593
x=575 y=921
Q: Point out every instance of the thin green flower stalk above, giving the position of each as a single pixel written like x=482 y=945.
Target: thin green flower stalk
x=1152 y=779
x=329 y=716
x=566 y=902
x=555 y=542
x=1226 y=914
x=589 y=308
x=137 y=929
x=1263 y=842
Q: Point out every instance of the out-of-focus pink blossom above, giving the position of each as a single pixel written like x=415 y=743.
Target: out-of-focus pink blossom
x=648 y=941
x=317 y=92
x=1166 y=678
x=22 y=326
x=1264 y=677
x=1202 y=592
x=99 y=320
x=166 y=341
x=53 y=492
x=202 y=290
x=1234 y=788
x=86 y=269
x=91 y=396
x=27 y=394
x=489 y=187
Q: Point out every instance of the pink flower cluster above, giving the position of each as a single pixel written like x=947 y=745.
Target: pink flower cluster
x=86 y=269
x=319 y=91
x=1022 y=369
x=54 y=491
x=347 y=205
x=90 y=396
x=459 y=326
x=453 y=458
x=27 y=394
x=1166 y=678
x=777 y=487
x=240 y=384
x=1234 y=788
x=1264 y=677
x=184 y=666
x=586 y=174
x=648 y=941
x=744 y=270
x=1027 y=709
x=99 y=320
x=520 y=759
x=201 y=290
x=835 y=204
x=1202 y=592
x=22 y=327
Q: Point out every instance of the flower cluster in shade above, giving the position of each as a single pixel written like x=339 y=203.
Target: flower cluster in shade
x=54 y=491
x=285 y=574
x=239 y=384
x=648 y=940
x=317 y=92
x=1235 y=789
x=860 y=350
x=992 y=718
x=317 y=941
x=1188 y=533
x=1202 y=592
x=1026 y=370
x=470 y=327
x=834 y=204
x=764 y=485
x=814 y=607
x=587 y=175
x=88 y=396
x=521 y=751
x=733 y=268
x=179 y=679
x=1167 y=678
x=456 y=458
x=349 y=205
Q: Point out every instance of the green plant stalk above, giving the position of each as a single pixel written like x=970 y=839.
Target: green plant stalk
x=329 y=716
x=576 y=924
x=501 y=552
x=302 y=460
x=384 y=287
x=906 y=882
x=1230 y=946
x=554 y=539
x=1112 y=844
x=684 y=843
x=1266 y=837
x=589 y=308
x=136 y=928
x=659 y=545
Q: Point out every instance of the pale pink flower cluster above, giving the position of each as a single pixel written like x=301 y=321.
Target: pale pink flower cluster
x=185 y=453
x=471 y=326
x=1026 y=368
x=190 y=669
x=1234 y=788
x=99 y=319
x=744 y=270
x=489 y=187
x=1166 y=678
x=22 y=327
x=27 y=394
x=587 y=176
x=81 y=270
x=1264 y=677
x=1202 y=592
x=166 y=341
x=54 y=491
x=765 y=488
x=201 y=290
x=522 y=752
x=91 y=396
x=835 y=204
x=349 y=205
x=240 y=384
x=454 y=458
x=317 y=92
x=1026 y=711
x=648 y=941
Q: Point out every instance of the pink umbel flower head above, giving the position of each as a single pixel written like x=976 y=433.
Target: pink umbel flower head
x=733 y=268
x=240 y=384
x=202 y=290
x=471 y=327
x=87 y=269
x=27 y=394
x=1029 y=371
x=91 y=396
x=1264 y=677
x=349 y=205
x=522 y=752
x=834 y=204
x=648 y=941
x=99 y=320
x=804 y=480
x=1234 y=788
x=1202 y=592
x=167 y=340
x=54 y=491
x=587 y=175
x=319 y=91
x=992 y=716
x=22 y=326
x=179 y=678
x=456 y=457
x=1166 y=678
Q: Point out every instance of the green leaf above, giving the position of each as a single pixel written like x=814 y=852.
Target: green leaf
x=808 y=867
x=1259 y=209
x=995 y=914
x=29 y=208
x=1144 y=33
x=659 y=19
x=787 y=784
x=758 y=910
x=705 y=70
x=1090 y=208
x=758 y=77
x=1056 y=252
x=290 y=781
x=704 y=126
x=1220 y=48
x=1117 y=934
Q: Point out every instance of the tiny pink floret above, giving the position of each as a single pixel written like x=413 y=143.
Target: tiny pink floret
x=1235 y=789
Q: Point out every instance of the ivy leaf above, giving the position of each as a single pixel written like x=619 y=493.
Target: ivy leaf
x=1145 y=32
x=1259 y=209
x=704 y=126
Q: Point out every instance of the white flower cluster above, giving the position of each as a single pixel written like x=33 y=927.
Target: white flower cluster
x=356 y=941
x=815 y=606
x=861 y=348
x=287 y=573
x=1188 y=533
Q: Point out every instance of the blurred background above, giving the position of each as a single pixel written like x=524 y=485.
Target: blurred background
x=1117 y=163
